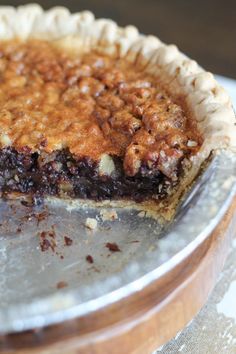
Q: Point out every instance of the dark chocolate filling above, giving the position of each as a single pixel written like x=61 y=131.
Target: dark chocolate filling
x=60 y=174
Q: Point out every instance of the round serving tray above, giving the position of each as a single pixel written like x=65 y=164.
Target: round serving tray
x=130 y=301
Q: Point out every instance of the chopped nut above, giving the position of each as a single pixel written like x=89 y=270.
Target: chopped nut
x=16 y=178
x=106 y=165
x=5 y=140
x=142 y=214
x=192 y=143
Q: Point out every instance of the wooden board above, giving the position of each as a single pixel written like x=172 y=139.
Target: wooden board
x=142 y=322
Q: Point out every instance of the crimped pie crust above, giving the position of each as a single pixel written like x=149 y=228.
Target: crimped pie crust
x=206 y=102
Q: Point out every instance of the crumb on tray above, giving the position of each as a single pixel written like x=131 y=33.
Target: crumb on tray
x=108 y=215
x=67 y=241
x=91 y=223
x=62 y=284
x=89 y=259
x=113 y=247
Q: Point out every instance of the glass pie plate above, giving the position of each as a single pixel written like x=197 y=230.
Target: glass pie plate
x=41 y=288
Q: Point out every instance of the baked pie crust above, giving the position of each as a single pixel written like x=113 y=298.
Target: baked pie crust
x=205 y=103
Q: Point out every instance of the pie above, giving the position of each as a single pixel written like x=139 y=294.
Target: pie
x=92 y=111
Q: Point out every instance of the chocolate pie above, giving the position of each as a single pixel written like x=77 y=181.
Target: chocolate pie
x=93 y=111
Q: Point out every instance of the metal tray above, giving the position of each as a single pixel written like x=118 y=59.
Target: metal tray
x=29 y=278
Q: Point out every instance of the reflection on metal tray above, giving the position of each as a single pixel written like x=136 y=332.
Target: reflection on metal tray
x=32 y=270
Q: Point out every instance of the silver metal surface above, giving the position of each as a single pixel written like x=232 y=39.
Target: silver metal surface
x=29 y=296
